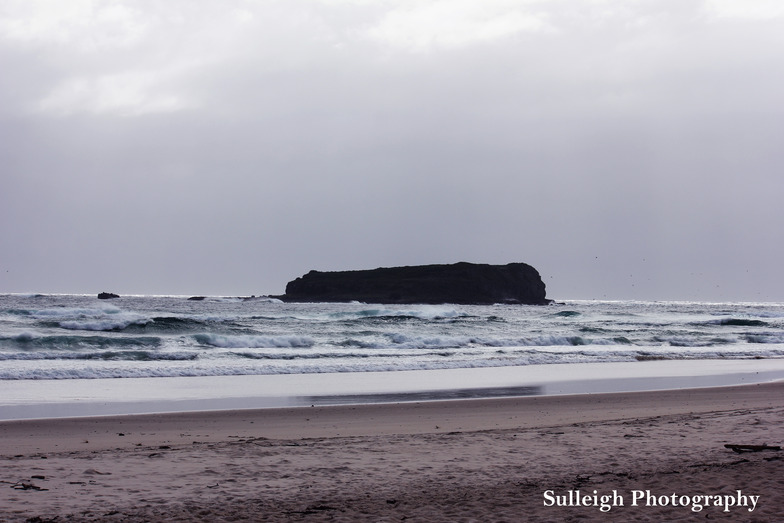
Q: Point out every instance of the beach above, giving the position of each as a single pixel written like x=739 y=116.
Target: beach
x=653 y=455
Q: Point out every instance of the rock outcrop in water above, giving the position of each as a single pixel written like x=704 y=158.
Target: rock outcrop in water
x=107 y=296
x=459 y=283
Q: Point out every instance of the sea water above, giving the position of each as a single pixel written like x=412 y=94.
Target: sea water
x=65 y=337
x=78 y=337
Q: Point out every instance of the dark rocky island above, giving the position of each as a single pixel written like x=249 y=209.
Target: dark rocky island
x=107 y=295
x=460 y=283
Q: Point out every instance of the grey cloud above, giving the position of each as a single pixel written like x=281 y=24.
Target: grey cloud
x=626 y=154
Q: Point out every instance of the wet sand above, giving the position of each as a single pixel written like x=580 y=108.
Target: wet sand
x=462 y=460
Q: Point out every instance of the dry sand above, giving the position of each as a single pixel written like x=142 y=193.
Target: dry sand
x=468 y=460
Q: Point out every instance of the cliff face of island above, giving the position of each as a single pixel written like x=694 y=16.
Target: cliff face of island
x=460 y=283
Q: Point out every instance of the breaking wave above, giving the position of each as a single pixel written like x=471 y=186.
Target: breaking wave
x=57 y=337
x=237 y=342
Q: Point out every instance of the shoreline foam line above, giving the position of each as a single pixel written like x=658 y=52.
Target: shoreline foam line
x=31 y=399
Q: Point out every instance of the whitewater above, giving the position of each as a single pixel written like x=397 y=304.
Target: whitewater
x=55 y=337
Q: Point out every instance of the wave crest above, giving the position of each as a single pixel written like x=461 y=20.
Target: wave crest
x=253 y=341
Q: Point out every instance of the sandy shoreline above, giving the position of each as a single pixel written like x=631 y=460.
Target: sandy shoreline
x=30 y=399
x=466 y=460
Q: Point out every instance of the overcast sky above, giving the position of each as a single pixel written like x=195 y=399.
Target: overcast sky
x=627 y=149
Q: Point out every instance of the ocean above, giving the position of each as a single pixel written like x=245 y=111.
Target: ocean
x=62 y=337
